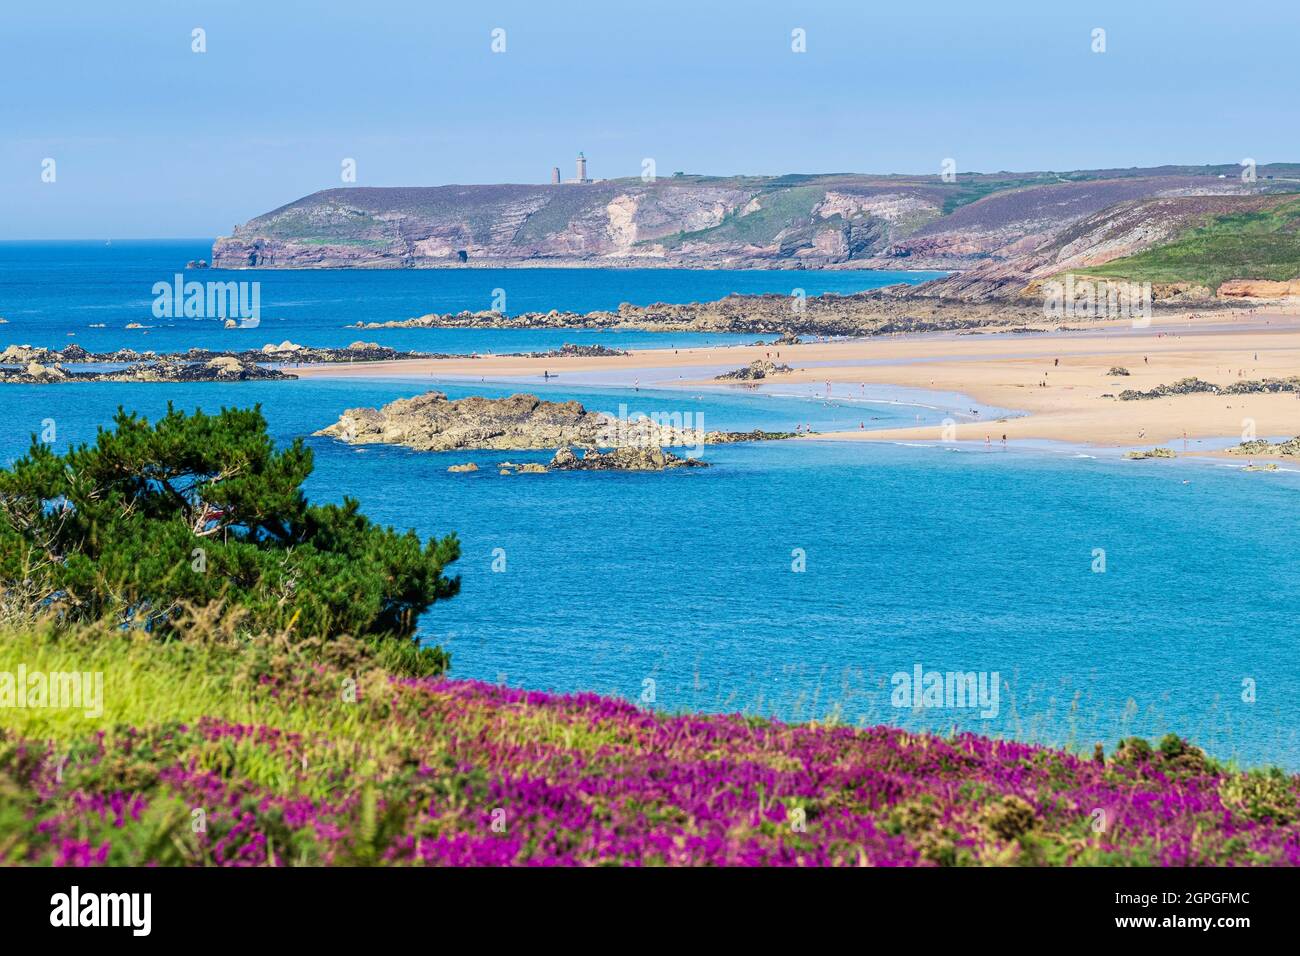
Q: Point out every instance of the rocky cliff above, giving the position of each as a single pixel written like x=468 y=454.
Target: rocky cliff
x=915 y=222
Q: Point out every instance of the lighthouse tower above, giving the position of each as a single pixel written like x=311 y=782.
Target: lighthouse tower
x=582 y=168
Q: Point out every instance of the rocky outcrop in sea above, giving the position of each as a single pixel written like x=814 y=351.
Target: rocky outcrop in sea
x=757 y=369
x=568 y=350
x=1141 y=454
x=285 y=353
x=221 y=369
x=1261 y=447
x=433 y=422
x=731 y=438
x=1197 y=386
x=877 y=312
x=627 y=458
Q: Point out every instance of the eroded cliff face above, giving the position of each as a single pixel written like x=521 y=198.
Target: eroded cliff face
x=1116 y=231
x=439 y=226
x=1259 y=289
x=691 y=221
x=1001 y=231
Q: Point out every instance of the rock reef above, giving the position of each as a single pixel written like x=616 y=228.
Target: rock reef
x=433 y=422
x=220 y=369
x=285 y=353
x=568 y=350
x=626 y=458
x=1143 y=454
x=1197 y=386
x=26 y=364
x=757 y=369
x=1259 y=446
x=876 y=312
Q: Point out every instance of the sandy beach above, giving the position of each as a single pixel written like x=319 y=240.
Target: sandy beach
x=1058 y=380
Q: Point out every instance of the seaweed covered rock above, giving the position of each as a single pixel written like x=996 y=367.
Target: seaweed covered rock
x=1259 y=446
x=628 y=458
x=1141 y=454
x=757 y=369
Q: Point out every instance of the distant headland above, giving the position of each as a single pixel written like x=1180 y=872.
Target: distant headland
x=997 y=230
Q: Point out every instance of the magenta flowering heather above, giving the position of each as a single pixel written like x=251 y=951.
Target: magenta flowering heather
x=462 y=773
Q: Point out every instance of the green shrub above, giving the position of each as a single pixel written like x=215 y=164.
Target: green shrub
x=198 y=509
x=1260 y=795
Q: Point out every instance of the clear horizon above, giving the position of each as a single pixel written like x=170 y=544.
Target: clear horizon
x=151 y=139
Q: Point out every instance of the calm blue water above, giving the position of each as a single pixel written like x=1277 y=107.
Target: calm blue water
x=51 y=289
x=963 y=559
x=955 y=559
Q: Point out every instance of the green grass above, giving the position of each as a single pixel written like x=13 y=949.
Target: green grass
x=1263 y=244
x=253 y=733
x=779 y=210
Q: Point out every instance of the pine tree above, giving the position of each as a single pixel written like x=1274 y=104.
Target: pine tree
x=198 y=508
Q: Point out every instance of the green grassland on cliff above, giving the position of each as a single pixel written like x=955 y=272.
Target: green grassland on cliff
x=1259 y=244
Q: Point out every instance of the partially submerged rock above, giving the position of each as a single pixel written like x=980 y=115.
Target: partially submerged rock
x=433 y=422
x=285 y=352
x=1197 y=386
x=1259 y=446
x=757 y=369
x=1150 y=453
x=468 y=466
x=622 y=459
x=731 y=438
x=568 y=350
x=221 y=369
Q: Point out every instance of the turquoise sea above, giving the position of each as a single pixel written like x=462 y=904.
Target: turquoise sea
x=684 y=583
x=57 y=293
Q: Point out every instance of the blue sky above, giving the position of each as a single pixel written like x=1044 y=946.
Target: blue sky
x=153 y=140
